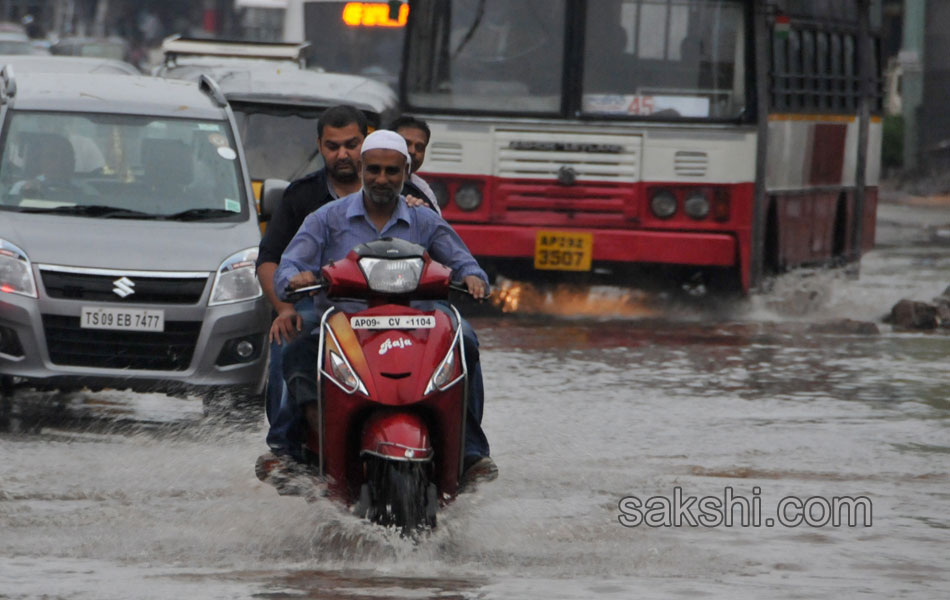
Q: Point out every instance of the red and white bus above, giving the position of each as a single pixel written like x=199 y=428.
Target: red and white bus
x=698 y=142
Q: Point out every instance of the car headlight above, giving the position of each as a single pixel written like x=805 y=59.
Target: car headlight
x=468 y=197
x=663 y=204
x=16 y=273
x=697 y=205
x=236 y=279
x=391 y=276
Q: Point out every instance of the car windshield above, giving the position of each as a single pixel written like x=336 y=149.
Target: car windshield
x=278 y=144
x=120 y=166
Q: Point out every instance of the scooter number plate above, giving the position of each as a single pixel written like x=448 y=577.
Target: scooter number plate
x=393 y=322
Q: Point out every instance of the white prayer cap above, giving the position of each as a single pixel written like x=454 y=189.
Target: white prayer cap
x=384 y=139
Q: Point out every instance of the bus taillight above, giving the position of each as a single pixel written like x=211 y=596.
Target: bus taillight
x=720 y=207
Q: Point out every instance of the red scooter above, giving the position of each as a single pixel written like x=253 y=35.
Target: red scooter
x=387 y=429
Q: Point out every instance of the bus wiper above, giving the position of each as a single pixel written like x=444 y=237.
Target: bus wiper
x=91 y=210
x=200 y=214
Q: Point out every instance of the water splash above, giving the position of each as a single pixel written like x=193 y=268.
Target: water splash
x=571 y=300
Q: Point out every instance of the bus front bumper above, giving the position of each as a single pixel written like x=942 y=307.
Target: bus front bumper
x=700 y=249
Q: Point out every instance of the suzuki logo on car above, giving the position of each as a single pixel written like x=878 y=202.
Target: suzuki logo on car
x=123 y=287
x=391 y=343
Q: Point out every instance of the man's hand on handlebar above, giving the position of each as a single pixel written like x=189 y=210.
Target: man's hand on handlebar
x=476 y=287
x=302 y=279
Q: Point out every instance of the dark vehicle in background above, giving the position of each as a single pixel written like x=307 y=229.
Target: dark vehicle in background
x=276 y=102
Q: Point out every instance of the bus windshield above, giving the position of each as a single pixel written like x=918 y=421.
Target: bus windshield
x=640 y=58
x=487 y=55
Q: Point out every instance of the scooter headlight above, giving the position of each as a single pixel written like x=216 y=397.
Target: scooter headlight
x=391 y=276
x=16 y=275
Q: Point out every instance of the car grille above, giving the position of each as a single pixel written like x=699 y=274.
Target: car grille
x=169 y=350
x=99 y=288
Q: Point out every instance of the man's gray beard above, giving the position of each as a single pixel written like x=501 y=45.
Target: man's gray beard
x=382 y=201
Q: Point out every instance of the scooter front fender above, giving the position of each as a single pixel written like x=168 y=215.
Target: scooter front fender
x=396 y=436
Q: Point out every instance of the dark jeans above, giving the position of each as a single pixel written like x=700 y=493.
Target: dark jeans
x=300 y=363
x=283 y=436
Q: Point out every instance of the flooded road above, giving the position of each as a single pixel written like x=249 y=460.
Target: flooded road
x=123 y=496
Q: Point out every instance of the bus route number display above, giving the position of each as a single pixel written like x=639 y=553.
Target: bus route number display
x=563 y=251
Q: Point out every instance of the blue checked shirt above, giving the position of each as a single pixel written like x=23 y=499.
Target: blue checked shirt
x=330 y=232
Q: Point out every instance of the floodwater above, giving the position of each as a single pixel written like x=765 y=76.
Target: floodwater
x=121 y=496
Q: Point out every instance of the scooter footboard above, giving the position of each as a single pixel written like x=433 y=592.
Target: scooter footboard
x=396 y=436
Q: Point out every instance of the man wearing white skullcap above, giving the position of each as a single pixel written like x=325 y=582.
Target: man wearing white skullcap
x=378 y=211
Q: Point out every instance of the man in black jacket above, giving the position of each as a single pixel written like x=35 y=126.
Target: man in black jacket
x=340 y=133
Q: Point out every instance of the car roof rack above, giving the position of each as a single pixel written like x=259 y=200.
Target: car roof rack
x=176 y=46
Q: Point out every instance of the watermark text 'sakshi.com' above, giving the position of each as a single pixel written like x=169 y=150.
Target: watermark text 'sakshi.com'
x=732 y=510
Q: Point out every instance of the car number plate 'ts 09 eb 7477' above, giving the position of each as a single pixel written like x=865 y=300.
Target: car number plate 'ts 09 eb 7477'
x=125 y=319
x=393 y=322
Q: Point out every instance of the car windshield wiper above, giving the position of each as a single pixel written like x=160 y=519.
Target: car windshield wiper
x=200 y=214
x=91 y=210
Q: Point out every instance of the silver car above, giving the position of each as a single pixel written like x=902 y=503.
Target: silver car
x=128 y=236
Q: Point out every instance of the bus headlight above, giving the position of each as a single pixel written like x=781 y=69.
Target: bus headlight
x=663 y=204
x=697 y=205
x=441 y=193
x=468 y=197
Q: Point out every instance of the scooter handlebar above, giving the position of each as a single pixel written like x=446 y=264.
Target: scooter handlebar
x=293 y=295
x=461 y=287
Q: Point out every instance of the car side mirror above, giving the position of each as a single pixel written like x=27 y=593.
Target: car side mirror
x=271 y=193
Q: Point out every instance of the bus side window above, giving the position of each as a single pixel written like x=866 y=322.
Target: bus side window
x=837 y=73
x=795 y=70
x=780 y=76
x=810 y=91
x=850 y=74
x=823 y=72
